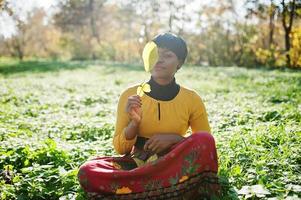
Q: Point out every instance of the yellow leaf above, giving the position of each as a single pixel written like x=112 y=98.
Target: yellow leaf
x=139 y=162
x=116 y=165
x=140 y=91
x=123 y=190
x=183 y=178
x=152 y=158
x=150 y=56
x=144 y=87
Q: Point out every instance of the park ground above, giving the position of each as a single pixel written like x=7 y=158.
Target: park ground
x=56 y=115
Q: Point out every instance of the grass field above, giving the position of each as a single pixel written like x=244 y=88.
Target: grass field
x=56 y=115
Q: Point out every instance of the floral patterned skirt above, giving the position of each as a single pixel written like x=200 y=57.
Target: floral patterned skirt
x=188 y=169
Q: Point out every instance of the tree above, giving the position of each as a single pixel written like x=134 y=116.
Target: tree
x=263 y=10
x=86 y=17
x=218 y=34
x=288 y=12
x=272 y=13
x=35 y=38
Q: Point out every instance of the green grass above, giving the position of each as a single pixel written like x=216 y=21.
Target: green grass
x=56 y=115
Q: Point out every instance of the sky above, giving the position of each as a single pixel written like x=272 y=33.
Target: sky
x=22 y=8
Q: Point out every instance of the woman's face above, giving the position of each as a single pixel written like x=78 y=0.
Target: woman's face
x=167 y=64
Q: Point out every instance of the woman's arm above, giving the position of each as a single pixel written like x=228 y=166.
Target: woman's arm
x=129 y=115
x=133 y=108
x=198 y=119
x=131 y=131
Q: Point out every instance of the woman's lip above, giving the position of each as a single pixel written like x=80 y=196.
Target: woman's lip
x=159 y=68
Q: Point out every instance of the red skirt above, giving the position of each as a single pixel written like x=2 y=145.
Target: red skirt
x=189 y=168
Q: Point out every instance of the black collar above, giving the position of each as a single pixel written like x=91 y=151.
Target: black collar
x=163 y=92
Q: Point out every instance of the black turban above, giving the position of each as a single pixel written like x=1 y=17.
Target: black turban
x=172 y=42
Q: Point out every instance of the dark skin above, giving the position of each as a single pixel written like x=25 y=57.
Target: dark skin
x=163 y=73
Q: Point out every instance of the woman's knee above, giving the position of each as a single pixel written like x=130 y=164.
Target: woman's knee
x=203 y=137
x=83 y=172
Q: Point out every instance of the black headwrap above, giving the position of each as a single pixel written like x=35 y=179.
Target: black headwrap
x=172 y=42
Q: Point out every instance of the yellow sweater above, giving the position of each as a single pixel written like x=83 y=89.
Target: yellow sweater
x=159 y=117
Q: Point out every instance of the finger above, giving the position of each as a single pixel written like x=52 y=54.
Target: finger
x=157 y=148
x=132 y=106
x=135 y=105
x=149 y=141
x=152 y=145
x=135 y=111
x=135 y=97
x=130 y=102
x=134 y=101
x=132 y=114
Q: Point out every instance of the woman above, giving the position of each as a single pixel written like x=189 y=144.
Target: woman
x=159 y=162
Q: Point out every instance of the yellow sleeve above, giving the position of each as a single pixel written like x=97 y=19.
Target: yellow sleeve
x=120 y=143
x=198 y=119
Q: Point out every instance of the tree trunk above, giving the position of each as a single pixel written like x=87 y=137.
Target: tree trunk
x=19 y=50
x=287 y=47
x=94 y=30
x=271 y=24
x=288 y=27
x=171 y=16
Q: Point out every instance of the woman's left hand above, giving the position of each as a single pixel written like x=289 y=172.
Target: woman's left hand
x=161 y=142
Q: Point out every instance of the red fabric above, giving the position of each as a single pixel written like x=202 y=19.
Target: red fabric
x=192 y=156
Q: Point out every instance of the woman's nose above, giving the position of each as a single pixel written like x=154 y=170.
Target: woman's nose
x=160 y=58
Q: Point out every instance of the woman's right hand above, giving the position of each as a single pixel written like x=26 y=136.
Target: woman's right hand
x=133 y=108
